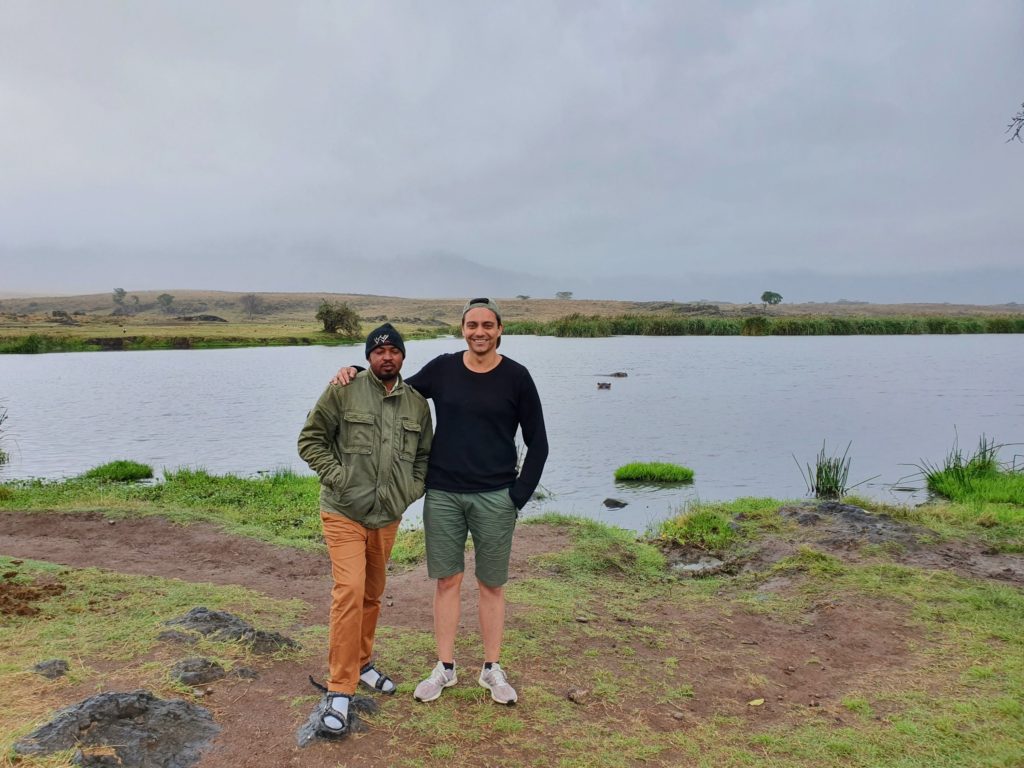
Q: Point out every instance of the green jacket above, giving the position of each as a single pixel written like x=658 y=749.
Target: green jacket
x=369 y=447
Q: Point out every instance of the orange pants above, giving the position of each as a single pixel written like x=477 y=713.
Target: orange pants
x=359 y=558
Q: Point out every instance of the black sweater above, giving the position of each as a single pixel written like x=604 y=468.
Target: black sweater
x=477 y=416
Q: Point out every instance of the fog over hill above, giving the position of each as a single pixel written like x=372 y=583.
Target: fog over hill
x=310 y=269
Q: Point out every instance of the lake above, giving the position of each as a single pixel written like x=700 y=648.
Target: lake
x=735 y=409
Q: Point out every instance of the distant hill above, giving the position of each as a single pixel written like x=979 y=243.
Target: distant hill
x=301 y=307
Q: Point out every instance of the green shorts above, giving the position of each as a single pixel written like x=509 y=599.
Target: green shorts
x=489 y=515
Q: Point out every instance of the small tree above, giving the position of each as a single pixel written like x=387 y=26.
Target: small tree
x=771 y=297
x=165 y=300
x=1016 y=125
x=119 y=294
x=563 y=295
x=252 y=304
x=338 y=317
x=522 y=297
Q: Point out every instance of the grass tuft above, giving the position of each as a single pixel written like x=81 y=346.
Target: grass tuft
x=706 y=528
x=122 y=471
x=975 y=478
x=653 y=472
x=829 y=477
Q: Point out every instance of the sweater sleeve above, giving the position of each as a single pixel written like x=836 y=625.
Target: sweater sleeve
x=531 y=420
x=423 y=380
x=317 y=437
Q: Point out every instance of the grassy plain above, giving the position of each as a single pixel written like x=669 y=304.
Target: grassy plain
x=29 y=325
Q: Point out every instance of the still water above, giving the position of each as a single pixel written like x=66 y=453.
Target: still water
x=737 y=410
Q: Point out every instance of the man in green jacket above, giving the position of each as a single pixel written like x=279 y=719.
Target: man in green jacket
x=369 y=443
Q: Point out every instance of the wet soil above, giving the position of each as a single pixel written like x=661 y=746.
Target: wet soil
x=728 y=657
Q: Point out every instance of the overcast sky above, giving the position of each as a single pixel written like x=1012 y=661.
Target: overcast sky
x=264 y=146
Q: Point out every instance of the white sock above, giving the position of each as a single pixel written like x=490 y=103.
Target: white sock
x=338 y=704
x=371 y=676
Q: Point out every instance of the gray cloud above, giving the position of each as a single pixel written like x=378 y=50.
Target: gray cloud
x=222 y=145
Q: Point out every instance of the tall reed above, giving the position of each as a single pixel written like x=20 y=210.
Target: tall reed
x=584 y=326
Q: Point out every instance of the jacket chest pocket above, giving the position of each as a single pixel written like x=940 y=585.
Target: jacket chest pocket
x=409 y=436
x=357 y=432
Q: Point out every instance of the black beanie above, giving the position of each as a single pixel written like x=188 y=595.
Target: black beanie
x=386 y=334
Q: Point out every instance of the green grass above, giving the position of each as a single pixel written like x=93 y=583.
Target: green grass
x=829 y=477
x=279 y=507
x=122 y=471
x=653 y=472
x=975 y=478
x=601 y=550
x=706 y=528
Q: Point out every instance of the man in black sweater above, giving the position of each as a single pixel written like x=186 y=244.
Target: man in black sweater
x=481 y=398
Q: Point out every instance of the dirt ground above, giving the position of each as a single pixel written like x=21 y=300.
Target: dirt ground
x=728 y=656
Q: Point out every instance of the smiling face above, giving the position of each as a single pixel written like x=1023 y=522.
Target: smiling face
x=386 y=362
x=481 y=330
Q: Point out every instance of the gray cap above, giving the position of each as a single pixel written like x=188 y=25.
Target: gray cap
x=484 y=303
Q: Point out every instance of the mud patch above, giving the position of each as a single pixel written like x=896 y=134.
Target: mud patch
x=843 y=530
x=128 y=730
x=844 y=526
x=17 y=599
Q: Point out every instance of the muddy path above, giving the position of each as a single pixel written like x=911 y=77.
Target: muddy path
x=202 y=552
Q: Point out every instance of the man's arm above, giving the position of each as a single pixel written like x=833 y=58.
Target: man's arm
x=317 y=437
x=531 y=420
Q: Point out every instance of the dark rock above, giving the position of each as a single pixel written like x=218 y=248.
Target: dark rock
x=845 y=526
x=176 y=636
x=618 y=374
x=196 y=671
x=51 y=669
x=577 y=695
x=221 y=625
x=141 y=730
x=705 y=566
x=614 y=503
x=307 y=733
x=245 y=673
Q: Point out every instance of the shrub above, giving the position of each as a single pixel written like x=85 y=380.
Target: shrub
x=653 y=472
x=122 y=471
x=338 y=317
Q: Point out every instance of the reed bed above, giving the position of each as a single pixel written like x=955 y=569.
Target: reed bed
x=594 y=326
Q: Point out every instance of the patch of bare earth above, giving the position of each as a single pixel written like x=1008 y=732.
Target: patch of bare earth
x=656 y=653
x=843 y=530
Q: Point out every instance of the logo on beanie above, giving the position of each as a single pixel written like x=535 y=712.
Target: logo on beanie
x=382 y=339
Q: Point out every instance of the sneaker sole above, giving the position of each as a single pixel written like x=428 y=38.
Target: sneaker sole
x=493 y=697
x=437 y=696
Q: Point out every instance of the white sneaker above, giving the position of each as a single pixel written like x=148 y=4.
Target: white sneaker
x=494 y=680
x=431 y=688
